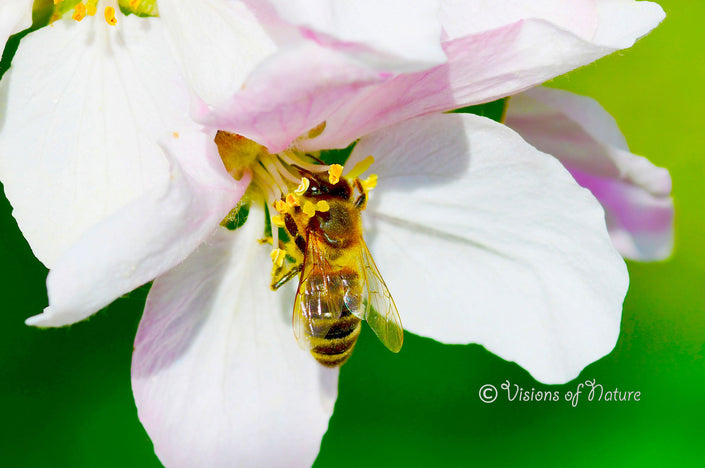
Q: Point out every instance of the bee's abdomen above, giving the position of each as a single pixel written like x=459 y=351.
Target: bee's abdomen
x=337 y=346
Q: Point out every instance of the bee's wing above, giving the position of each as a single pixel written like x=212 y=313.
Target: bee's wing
x=378 y=307
x=319 y=298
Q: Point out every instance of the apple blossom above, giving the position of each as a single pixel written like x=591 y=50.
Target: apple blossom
x=493 y=230
x=277 y=100
x=507 y=240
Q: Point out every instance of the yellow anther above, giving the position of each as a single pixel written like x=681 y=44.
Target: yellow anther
x=278 y=221
x=291 y=200
x=134 y=3
x=334 y=173
x=309 y=209
x=278 y=256
x=360 y=167
x=303 y=186
x=79 y=12
x=56 y=2
x=91 y=8
x=110 y=16
x=369 y=183
x=280 y=206
x=322 y=206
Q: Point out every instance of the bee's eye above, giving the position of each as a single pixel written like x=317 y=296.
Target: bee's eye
x=314 y=190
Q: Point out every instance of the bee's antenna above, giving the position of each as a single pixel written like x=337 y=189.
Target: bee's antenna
x=305 y=171
x=316 y=159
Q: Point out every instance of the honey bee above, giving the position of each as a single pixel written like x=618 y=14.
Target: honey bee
x=339 y=283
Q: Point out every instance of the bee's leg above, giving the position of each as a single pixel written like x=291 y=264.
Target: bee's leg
x=278 y=281
x=361 y=201
x=293 y=260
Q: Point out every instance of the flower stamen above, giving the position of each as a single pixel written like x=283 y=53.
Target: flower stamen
x=281 y=206
x=291 y=200
x=278 y=221
x=270 y=163
x=334 y=173
x=360 y=167
x=369 y=183
x=291 y=158
x=110 y=16
x=301 y=189
x=309 y=209
x=278 y=256
x=322 y=206
x=287 y=183
x=79 y=12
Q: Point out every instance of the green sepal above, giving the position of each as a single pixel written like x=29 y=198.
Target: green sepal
x=144 y=9
x=42 y=11
x=237 y=216
x=494 y=110
x=336 y=156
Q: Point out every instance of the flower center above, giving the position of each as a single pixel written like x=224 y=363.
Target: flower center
x=79 y=9
x=317 y=236
x=297 y=185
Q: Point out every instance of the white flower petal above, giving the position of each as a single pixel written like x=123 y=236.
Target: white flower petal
x=611 y=23
x=85 y=105
x=487 y=64
x=217 y=376
x=219 y=44
x=15 y=15
x=483 y=239
x=463 y=17
x=586 y=139
x=621 y=22
x=394 y=35
x=145 y=238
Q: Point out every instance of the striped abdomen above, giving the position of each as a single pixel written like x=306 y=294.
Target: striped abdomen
x=337 y=346
x=327 y=301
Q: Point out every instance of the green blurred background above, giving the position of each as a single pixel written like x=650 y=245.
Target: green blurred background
x=65 y=397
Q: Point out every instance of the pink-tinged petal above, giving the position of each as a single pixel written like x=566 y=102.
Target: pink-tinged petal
x=489 y=64
x=394 y=35
x=217 y=376
x=283 y=99
x=15 y=15
x=83 y=106
x=641 y=225
x=483 y=239
x=219 y=44
x=465 y=17
x=145 y=238
x=586 y=139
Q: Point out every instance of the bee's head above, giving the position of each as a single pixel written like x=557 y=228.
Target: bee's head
x=321 y=188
